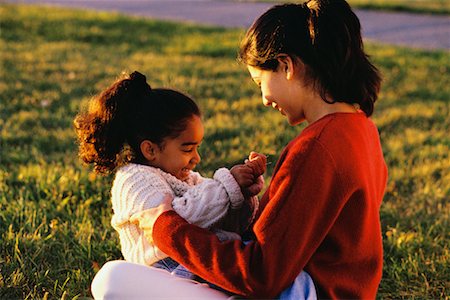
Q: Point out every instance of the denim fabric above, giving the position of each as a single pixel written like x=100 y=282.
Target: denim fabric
x=174 y=268
x=301 y=289
x=167 y=264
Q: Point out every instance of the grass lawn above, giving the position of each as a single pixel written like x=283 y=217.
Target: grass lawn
x=55 y=214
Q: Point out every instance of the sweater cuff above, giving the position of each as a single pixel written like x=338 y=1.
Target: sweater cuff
x=233 y=189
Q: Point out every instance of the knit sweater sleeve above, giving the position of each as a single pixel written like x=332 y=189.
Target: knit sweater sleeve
x=297 y=214
x=208 y=202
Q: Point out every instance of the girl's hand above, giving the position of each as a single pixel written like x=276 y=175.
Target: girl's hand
x=249 y=175
x=256 y=187
x=243 y=175
x=257 y=162
x=147 y=218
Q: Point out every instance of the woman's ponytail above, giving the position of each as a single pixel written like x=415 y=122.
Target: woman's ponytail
x=326 y=36
x=104 y=129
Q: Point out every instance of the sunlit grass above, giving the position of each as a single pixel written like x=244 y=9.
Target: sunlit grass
x=55 y=214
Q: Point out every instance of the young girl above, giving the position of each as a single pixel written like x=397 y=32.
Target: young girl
x=320 y=212
x=151 y=136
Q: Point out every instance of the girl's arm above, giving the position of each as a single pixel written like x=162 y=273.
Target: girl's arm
x=220 y=202
x=207 y=203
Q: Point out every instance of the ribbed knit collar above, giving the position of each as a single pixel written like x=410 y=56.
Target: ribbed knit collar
x=178 y=186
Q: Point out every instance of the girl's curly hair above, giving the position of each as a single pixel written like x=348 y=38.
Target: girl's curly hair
x=125 y=114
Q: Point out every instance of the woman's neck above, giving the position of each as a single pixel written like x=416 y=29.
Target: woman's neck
x=319 y=108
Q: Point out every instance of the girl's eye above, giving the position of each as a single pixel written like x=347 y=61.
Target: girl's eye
x=190 y=149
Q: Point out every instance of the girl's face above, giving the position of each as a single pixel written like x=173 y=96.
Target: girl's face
x=280 y=91
x=179 y=155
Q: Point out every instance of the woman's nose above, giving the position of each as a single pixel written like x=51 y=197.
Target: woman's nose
x=266 y=102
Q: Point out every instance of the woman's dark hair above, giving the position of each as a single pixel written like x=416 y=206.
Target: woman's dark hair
x=326 y=36
x=125 y=114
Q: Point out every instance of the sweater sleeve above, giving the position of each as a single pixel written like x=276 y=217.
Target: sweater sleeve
x=208 y=202
x=299 y=208
x=136 y=189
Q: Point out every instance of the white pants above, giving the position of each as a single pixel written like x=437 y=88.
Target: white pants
x=123 y=280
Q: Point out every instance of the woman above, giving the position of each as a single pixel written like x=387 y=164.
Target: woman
x=320 y=212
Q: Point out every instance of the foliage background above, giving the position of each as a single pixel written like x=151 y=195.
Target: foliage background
x=55 y=213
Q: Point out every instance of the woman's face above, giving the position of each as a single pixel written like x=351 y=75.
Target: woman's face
x=280 y=91
x=179 y=155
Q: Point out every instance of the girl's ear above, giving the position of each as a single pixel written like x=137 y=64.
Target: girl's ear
x=149 y=150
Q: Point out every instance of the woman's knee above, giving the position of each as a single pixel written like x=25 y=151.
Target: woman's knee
x=108 y=282
x=124 y=280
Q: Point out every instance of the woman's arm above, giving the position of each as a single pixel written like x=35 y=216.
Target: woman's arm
x=298 y=214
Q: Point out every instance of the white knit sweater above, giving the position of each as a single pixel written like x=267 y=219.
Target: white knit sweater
x=200 y=201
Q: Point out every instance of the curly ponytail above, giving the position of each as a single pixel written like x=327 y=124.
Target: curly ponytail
x=122 y=116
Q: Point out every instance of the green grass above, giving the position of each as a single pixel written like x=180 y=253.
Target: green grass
x=55 y=214
x=441 y=7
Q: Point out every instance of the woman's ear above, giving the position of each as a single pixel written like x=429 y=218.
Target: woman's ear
x=289 y=66
x=149 y=150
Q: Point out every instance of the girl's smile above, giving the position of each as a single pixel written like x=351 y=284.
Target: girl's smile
x=179 y=156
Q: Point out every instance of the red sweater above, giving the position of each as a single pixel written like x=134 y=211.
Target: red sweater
x=320 y=214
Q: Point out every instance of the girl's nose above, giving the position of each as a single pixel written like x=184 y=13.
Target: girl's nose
x=196 y=157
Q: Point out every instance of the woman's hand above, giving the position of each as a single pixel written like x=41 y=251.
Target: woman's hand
x=146 y=219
